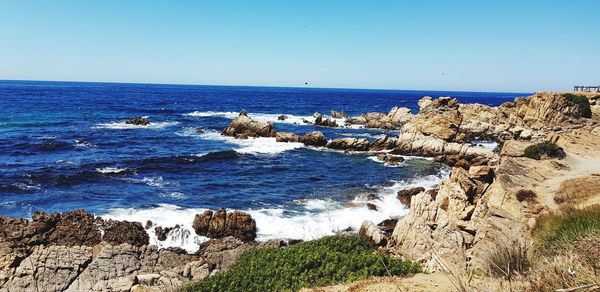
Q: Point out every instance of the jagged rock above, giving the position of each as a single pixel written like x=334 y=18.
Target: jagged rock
x=383 y=143
x=349 y=144
x=391 y=160
x=371 y=232
x=372 y=206
x=399 y=115
x=282 y=118
x=286 y=137
x=314 y=138
x=404 y=196
x=221 y=224
x=439 y=118
x=222 y=253
x=138 y=121
x=368 y=197
x=161 y=233
x=387 y=226
x=243 y=127
x=319 y=121
x=339 y=114
x=118 y=232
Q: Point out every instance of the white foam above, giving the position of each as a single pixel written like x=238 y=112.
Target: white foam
x=153 y=181
x=260 y=145
x=316 y=217
x=110 y=170
x=122 y=125
x=28 y=187
x=83 y=144
x=259 y=117
x=489 y=145
x=165 y=215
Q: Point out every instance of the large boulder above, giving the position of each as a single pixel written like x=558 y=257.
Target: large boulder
x=349 y=144
x=404 y=196
x=243 y=127
x=314 y=138
x=383 y=143
x=118 y=232
x=286 y=137
x=325 y=122
x=220 y=224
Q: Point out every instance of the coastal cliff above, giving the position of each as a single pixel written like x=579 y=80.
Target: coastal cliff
x=454 y=225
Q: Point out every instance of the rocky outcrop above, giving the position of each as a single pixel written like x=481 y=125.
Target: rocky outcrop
x=314 y=138
x=404 y=196
x=286 y=137
x=339 y=114
x=349 y=144
x=416 y=143
x=76 y=251
x=69 y=229
x=221 y=224
x=394 y=119
x=325 y=122
x=138 y=121
x=390 y=160
x=244 y=127
x=383 y=143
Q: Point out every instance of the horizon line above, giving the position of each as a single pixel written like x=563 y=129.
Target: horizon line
x=263 y=86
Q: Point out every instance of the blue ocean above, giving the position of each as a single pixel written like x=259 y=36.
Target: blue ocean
x=65 y=145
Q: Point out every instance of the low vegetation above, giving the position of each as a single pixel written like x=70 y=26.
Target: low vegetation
x=577 y=191
x=526 y=196
x=557 y=231
x=509 y=260
x=326 y=261
x=544 y=149
x=568 y=253
x=582 y=102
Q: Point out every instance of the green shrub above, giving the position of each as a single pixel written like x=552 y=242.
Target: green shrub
x=546 y=148
x=582 y=102
x=326 y=261
x=559 y=231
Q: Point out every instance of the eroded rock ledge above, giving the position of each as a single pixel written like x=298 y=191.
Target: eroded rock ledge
x=76 y=251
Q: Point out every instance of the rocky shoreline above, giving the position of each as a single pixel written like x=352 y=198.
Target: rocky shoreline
x=454 y=224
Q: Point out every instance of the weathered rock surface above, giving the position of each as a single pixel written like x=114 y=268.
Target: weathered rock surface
x=314 y=138
x=325 y=122
x=404 y=196
x=394 y=119
x=286 y=137
x=243 y=127
x=349 y=144
x=221 y=224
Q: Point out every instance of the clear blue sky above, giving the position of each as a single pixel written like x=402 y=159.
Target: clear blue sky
x=446 y=45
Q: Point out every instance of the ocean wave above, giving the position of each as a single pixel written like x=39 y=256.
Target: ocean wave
x=489 y=145
x=122 y=125
x=274 y=118
x=106 y=170
x=260 y=145
x=82 y=144
x=313 y=219
x=165 y=215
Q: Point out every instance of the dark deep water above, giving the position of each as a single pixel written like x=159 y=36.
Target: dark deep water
x=65 y=145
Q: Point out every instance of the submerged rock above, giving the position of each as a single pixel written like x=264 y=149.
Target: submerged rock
x=220 y=224
x=138 y=121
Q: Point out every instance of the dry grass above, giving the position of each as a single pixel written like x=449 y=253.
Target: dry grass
x=508 y=260
x=567 y=270
x=578 y=190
